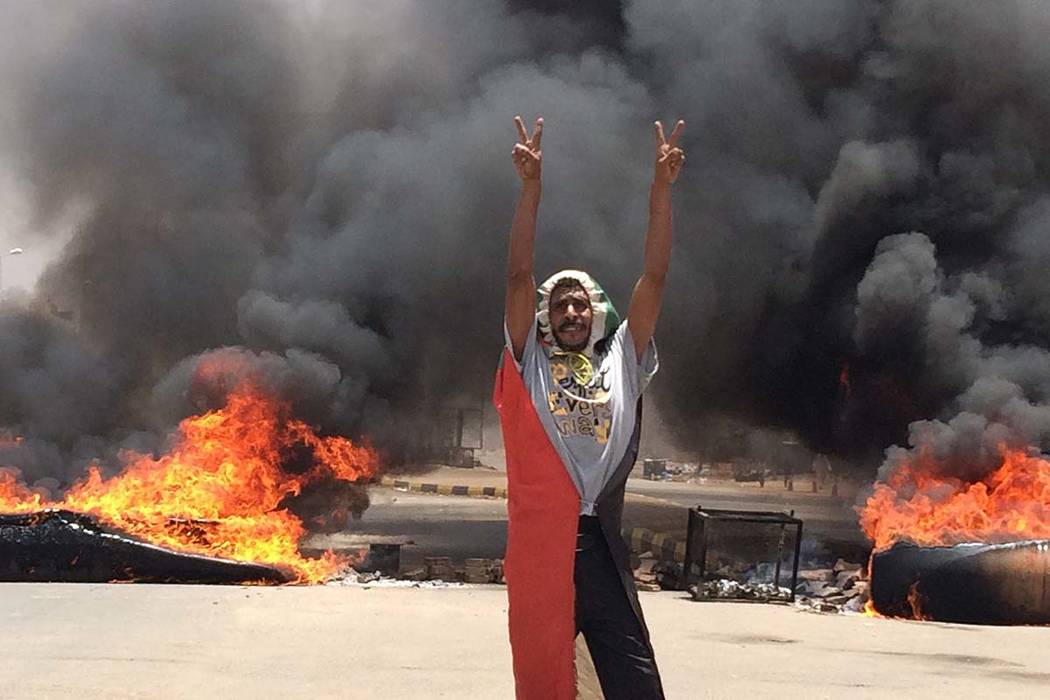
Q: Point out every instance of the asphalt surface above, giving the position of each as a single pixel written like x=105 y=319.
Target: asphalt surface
x=437 y=526
x=824 y=517
x=461 y=527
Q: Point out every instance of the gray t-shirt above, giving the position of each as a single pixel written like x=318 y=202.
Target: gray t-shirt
x=590 y=425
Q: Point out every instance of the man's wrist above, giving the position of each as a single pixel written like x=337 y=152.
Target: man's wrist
x=660 y=194
x=530 y=189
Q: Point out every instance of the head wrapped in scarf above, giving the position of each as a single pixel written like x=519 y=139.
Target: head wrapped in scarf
x=604 y=319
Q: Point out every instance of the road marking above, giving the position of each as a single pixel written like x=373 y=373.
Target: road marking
x=444 y=489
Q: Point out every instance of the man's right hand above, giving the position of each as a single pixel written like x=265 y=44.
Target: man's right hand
x=526 y=154
x=521 y=286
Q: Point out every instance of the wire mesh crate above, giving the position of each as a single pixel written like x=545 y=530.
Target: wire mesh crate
x=741 y=555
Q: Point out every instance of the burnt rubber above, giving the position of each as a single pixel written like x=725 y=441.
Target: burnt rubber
x=63 y=546
x=992 y=584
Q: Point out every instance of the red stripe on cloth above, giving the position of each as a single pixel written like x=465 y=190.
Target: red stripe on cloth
x=542 y=510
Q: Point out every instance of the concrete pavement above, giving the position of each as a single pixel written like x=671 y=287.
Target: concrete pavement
x=142 y=641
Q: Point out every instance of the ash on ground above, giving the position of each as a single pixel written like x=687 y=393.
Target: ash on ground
x=373 y=579
x=437 y=572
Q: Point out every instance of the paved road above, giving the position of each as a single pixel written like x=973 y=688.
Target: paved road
x=452 y=526
x=824 y=517
x=462 y=527
x=186 y=642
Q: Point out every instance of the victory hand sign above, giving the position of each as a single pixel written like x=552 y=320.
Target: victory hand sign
x=669 y=157
x=527 y=155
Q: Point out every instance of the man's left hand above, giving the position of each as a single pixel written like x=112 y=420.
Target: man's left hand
x=669 y=157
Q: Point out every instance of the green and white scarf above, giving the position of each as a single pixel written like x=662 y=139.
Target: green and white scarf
x=604 y=318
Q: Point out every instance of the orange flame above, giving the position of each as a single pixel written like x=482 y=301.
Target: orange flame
x=15 y=497
x=916 y=602
x=1010 y=504
x=217 y=492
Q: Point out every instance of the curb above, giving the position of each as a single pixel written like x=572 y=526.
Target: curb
x=665 y=547
x=445 y=489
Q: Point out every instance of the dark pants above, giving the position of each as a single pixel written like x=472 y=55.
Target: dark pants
x=619 y=649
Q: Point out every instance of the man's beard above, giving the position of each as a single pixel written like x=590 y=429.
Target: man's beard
x=575 y=347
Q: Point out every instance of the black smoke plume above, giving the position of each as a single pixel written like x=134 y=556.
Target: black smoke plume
x=324 y=189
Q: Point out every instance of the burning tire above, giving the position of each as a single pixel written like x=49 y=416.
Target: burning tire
x=71 y=547
x=997 y=584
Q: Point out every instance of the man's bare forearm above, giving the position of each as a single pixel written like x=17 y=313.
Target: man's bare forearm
x=523 y=231
x=648 y=293
x=658 y=237
x=521 y=285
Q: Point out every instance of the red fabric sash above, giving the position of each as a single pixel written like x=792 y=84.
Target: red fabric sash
x=543 y=508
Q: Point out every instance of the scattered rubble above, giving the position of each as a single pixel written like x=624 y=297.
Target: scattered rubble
x=724 y=589
x=653 y=574
x=369 y=579
x=842 y=588
x=418 y=574
x=645 y=574
x=436 y=570
x=483 y=571
x=439 y=569
x=816 y=574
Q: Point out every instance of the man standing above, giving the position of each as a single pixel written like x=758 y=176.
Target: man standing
x=569 y=396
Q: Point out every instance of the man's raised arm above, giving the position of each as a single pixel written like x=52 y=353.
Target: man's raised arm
x=648 y=292
x=521 y=285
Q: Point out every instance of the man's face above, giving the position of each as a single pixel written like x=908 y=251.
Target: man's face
x=570 y=317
